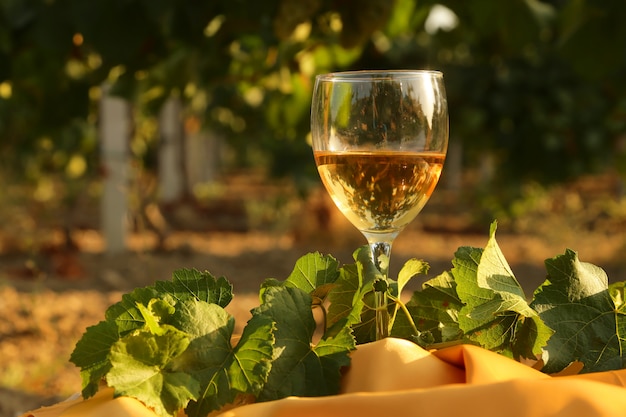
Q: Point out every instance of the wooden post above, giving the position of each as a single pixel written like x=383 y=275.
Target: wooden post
x=171 y=152
x=114 y=137
x=204 y=149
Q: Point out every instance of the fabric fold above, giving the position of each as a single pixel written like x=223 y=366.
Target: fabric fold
x=397 y=377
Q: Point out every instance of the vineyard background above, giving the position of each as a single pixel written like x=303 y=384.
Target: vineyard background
x=141 y=136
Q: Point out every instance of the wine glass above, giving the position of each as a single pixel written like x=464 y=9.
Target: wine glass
x=379 y=141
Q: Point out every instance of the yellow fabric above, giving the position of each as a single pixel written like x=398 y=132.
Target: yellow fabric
x=100 y=405
x=398 y=378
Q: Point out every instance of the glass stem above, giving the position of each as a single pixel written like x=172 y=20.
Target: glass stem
x=381 y=252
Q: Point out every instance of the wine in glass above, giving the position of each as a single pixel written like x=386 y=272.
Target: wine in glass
x=379 y=141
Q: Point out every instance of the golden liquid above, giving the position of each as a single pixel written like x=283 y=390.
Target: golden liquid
x=379 y=192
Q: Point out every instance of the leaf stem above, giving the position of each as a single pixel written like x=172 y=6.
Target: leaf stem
x=402 y=306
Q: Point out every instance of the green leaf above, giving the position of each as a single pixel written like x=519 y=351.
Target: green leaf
x=203 y=320
x=400 y=19
x=313 y=271
x=494 y=271
x=346 y=298
x=224 y=371
x=576 y=302
x=91 y=355
x=156 y=312
x=252 y=356
x=617 y=290
x=496 y=314
x=367 y=270
x=141 y=367
x=331 y=354
x=290 y=308
x=298 y=368
x=126 y=314
x=185 y=284
x=354 y=300
x=191 y=283
x=158 y=309
x=368 y=273
x=410 y=269
x=434 y=311
x=402 y=324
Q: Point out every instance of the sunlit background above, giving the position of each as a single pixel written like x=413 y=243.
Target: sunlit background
x=141 y=135
x=205 y=92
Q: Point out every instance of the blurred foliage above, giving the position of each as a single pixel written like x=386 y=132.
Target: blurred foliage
x=537 y=85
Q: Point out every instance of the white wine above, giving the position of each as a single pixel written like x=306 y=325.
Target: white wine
x=379 y=139
x=379 y=192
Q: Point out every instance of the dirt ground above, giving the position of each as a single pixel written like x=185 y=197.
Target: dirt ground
x=47 y=299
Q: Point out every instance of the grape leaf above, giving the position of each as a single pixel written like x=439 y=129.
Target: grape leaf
x=252 y=356
x=141 y=367
x=434 y=312
x=91 y=355
x=224 y=371
x=298 y=367
x=410 y=269
x=191 y=283
x=617 y=291
x=368 y=275
x=185 y=284
x=319 y=276
x=495 y=313
x=367 y=270
x=346 y=299
x=313 y=272
x=157 y=312
x=344 y=287
x=201 y=319
x=92 y=350
x=126 y=314
x=576 y=301
x=332 y=354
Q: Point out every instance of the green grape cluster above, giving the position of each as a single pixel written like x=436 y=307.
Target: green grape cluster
x=361 y=18
x=292 y=13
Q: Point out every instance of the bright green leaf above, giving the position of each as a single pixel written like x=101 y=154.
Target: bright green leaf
x=126 y=314
x=494 y=271
x=142 y=368
x=191 y=283
x=314 y=274
x=576 y=302
x=409 y=270
x=496 y=314
x=156 y=312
